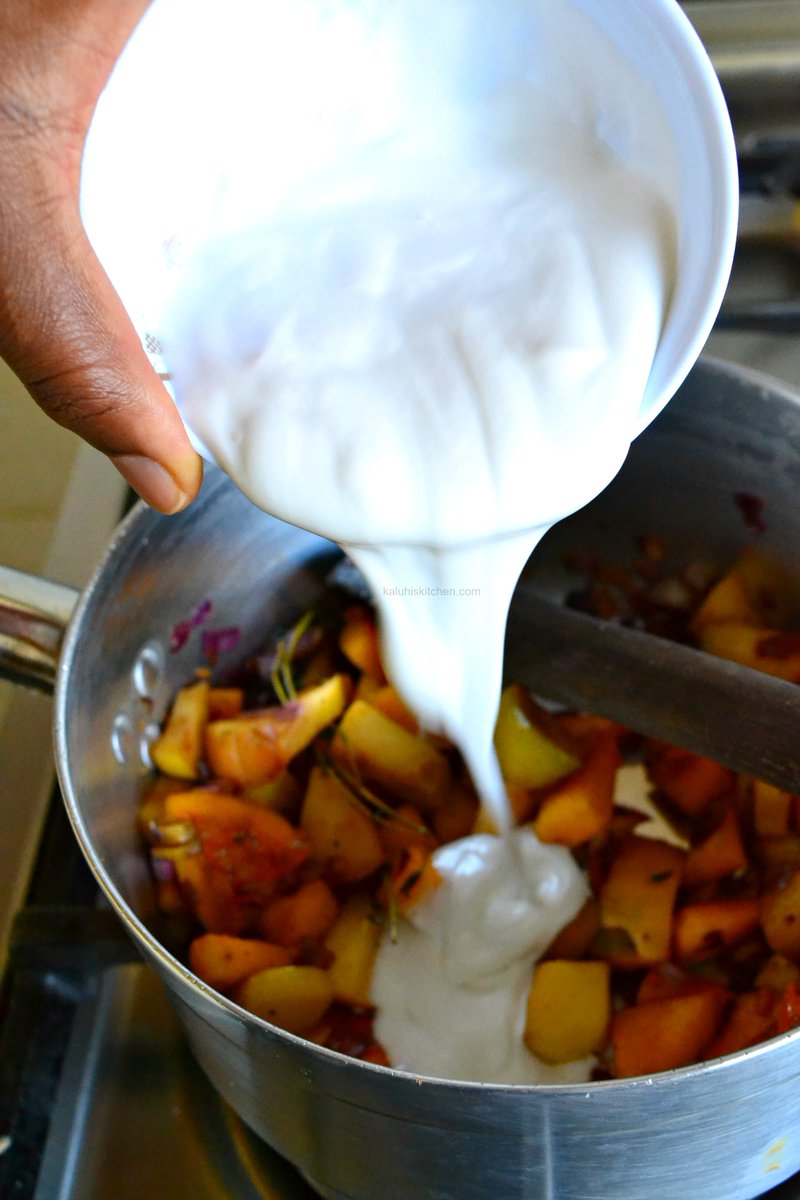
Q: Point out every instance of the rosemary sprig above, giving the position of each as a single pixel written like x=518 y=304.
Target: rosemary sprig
x=368 y=801
x=281 y=674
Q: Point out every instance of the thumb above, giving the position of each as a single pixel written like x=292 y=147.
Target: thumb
x=65 y=333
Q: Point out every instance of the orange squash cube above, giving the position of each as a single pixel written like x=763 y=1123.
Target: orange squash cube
x=305 y=915
x=720 y=854
x=705 y=929
x=688 y=780
x=575 y=938
x=664 y=1034
x=753 y=1017
x=254 y=747
x=243 y=852
x=223 y=961
x=359 y=642
x=224 y=702
x=581 y=805
x=780 y=918
x=638 y=898
x=772 y=810
x=389 y=702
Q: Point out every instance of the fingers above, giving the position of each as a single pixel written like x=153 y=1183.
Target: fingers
x=68 y=337
x=63 y=329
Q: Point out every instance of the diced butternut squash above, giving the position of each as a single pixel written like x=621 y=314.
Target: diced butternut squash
x=530 y=746
x=664 y=1034
x=789 y=1007
x=585 y=728
x=282 y=793
x=688 y=780
x=705 y=929
x=768 y=650
x=178 y=751
x=575 y=938
x=456 y=817
x=413 y=879
x=342 y=835
x=720 y=854
x=404 y=829
x=305 y=915
x=358 y=641
x=727 y=601
x=224 y=702
x=780 y=918
x=779 y=851
x=755 y=591
x=209 y=899
x=224 y=962
x=580 y=807
x=372 y=747
x=170 y=899
x=569 y=1006
x=244 y=851
x=665 y=980
x=389 y=702
x=293 y=998
x=254 y=747
x=638 y=898
x=777 y=972
x=353 y=941
x=772 y=810
x=753 y=1017
x=769 y=587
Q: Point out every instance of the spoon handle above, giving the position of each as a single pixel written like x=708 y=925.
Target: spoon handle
x=742 y=718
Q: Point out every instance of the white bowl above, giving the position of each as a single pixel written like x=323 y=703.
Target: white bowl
x=659 y=41
x=203 y=118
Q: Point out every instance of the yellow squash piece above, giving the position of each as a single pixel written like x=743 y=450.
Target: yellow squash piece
x=342 y=835
x=179 y=749
x=370 y=746
x=529 y=753
x=768 y=650
x=569 y=1007
x=294 y=998
x=353 y=940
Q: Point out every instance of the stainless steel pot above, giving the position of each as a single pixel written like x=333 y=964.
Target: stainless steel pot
x=725 y=1130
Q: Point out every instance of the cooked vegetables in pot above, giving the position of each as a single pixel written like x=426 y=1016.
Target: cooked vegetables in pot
x=290 y=837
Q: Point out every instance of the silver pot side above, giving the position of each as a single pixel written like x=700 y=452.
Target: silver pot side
x=722 y=1131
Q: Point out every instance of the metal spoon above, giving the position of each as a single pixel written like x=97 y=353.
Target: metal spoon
x=742 y=718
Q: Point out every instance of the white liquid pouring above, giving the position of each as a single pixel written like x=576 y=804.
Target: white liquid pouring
x=430 y=359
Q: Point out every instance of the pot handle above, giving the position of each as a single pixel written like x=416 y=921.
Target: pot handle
x=34 y=614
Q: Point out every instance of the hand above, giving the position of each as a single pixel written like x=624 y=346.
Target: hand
x=63 y=328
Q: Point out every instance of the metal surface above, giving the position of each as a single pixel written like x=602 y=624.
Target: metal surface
x=33 y=615
x=357 y=1130
x=146 y=1119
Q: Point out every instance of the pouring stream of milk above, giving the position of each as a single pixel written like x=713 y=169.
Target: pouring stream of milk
x=430 y=357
